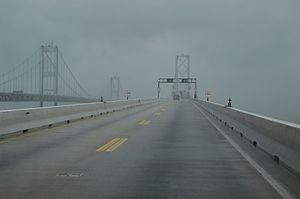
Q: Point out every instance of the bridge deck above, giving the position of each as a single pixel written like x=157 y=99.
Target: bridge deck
x=23 y=97
x=165 y=151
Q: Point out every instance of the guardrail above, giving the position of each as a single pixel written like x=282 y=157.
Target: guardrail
x=278 y=138
x=21 y=120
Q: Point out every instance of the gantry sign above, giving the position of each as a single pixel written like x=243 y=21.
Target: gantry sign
x=177 y=81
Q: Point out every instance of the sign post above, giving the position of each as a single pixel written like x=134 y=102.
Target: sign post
x=127 y=94
x=208 y=93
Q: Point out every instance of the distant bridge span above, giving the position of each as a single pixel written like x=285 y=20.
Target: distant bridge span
x=18 y=97
x=44 y=76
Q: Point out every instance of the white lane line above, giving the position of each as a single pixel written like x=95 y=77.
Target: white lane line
x=274 y=183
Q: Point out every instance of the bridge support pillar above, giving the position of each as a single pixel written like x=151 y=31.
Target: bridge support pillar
x=49 y=73
x=115 y=88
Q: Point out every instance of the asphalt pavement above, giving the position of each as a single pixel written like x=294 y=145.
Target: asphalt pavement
x=165 y=150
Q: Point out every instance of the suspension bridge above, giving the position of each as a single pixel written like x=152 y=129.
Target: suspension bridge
x=44 y=76
x=137 y=148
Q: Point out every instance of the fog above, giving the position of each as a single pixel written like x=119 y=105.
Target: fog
x=246 y=50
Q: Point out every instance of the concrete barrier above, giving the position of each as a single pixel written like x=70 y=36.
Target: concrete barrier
x=21 y=120
x=278 y=138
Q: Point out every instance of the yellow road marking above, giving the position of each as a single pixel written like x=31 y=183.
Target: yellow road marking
x=145 y=122
x=142 y=122
x=8 y=140
x=108 y=144
x=163 y=109
x=116 y=145
x=156 y=114
x=112 y=145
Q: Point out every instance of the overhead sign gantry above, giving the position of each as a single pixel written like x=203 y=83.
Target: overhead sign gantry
x=176 y=81
x=182 y=80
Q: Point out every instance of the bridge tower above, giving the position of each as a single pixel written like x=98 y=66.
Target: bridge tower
x=182 y=70
x=48 y=72
x=115 y=88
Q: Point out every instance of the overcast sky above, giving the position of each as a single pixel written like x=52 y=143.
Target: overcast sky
x=246 y=50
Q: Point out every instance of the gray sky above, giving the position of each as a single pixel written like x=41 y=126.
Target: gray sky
x=248 y=50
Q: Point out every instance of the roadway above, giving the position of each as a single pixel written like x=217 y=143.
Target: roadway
x=166 y=150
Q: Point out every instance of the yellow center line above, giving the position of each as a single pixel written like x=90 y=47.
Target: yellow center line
x=108 y=144
x=142 y=122
x=116 y=145
x=156 y=114
x=147 y=122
